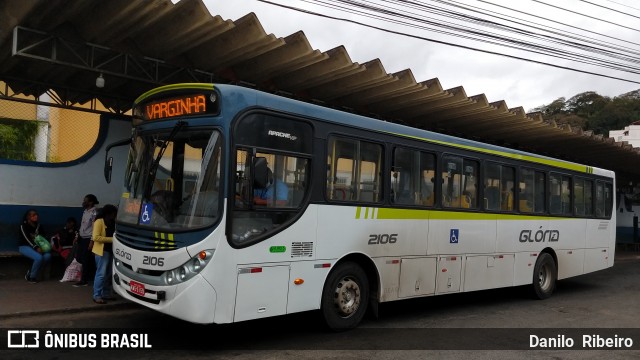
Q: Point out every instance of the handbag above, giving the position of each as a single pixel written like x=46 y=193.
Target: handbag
x=42 y=243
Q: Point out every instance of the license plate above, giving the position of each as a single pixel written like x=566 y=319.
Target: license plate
x=136 y=288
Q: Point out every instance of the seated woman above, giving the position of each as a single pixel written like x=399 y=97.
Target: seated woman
x=29 y=229
x=62 y=242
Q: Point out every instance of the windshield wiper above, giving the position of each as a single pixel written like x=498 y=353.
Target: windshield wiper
x=154 y=167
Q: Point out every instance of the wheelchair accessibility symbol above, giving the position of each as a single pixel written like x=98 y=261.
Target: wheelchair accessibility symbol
x=145 y=215
x=454 y=235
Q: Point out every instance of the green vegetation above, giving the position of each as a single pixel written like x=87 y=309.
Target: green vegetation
x=17 y=139
x=591 y=111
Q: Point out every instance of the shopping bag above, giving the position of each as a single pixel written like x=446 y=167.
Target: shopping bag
x=43 y=243
x=73 y=272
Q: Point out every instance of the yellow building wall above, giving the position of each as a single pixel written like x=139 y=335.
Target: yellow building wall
x=72 y=133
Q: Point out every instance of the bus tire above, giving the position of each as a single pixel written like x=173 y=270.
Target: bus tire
x=345 y=297
x=545 y=274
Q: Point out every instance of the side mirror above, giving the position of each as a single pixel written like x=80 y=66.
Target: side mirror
x=108 y=168
x=108 y=160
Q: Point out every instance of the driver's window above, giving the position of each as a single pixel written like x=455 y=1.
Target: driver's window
x=269 y=191
x=269 y=180
x=271 y=175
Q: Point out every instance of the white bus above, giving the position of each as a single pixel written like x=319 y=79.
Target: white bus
x=239 y=205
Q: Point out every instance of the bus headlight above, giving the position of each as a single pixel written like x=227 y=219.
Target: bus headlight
x=189 y=269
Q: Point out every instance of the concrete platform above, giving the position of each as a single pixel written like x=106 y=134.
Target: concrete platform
x=21 y=298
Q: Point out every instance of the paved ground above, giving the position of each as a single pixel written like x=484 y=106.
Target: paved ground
x=19 y=297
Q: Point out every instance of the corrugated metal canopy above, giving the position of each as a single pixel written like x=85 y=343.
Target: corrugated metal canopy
x=63 y=45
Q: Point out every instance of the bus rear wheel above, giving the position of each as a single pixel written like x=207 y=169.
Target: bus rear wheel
x=545 y=274
x=345 y=297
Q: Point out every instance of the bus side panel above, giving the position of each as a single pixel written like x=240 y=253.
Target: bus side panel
x=261 y=293
x=294 y=246
x=351 y=229
x=570 y=263
x=488 y=271
x=523 y=267
x=596 y=259
x=462 y=237
x=306 y=296
x=536 y=235
x=301 y=233
x=600 y=234
x=418 y=276
x=389 y=271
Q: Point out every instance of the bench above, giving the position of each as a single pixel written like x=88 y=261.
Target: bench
x=52 y=218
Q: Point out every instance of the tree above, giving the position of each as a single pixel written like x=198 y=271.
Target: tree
x=586 y=104
x=17 y=139
x=591 y=111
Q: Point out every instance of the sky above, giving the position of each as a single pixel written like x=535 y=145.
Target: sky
x=519 y=83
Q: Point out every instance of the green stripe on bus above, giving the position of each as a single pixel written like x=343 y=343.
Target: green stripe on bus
x=358 y=212
x=556 y=163
x=396 y=214
x=199 y=86
x=418 y=214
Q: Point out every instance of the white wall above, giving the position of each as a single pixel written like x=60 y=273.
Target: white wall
x=38 y=184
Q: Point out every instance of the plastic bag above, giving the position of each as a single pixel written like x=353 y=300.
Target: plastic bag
x=73 y=272
x=71 y=255
x=43 y=243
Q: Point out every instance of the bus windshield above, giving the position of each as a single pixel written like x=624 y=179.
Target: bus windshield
x=172 y=180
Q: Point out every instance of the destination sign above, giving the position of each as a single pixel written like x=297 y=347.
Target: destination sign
x=181 y=106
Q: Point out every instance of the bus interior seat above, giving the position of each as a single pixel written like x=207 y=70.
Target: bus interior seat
x=428 y=200
x=404 y=197
x=296 y=194
x=465 y=201
x=492 y=197
x=525 y=206
x=539 y=202
x=367 y=192
x=507 y=201
x=555 y=205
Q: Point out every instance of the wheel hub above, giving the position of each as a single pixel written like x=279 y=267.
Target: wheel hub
x=347 y=297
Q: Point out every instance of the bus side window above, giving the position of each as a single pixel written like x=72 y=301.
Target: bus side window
x=426 y=194
x=469 y=199
x=451 y=181
x=532 y=190
x=560 y=195
x=507 y=181
x=354 y=169
x=608 y=199
x=492 y=197
x=492 y=187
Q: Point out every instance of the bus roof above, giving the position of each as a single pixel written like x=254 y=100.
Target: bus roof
x=253 y=97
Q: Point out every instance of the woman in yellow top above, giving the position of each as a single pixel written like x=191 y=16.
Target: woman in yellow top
x=102 y=238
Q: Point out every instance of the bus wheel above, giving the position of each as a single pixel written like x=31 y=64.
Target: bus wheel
x=345 y=297
x=545 y=274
